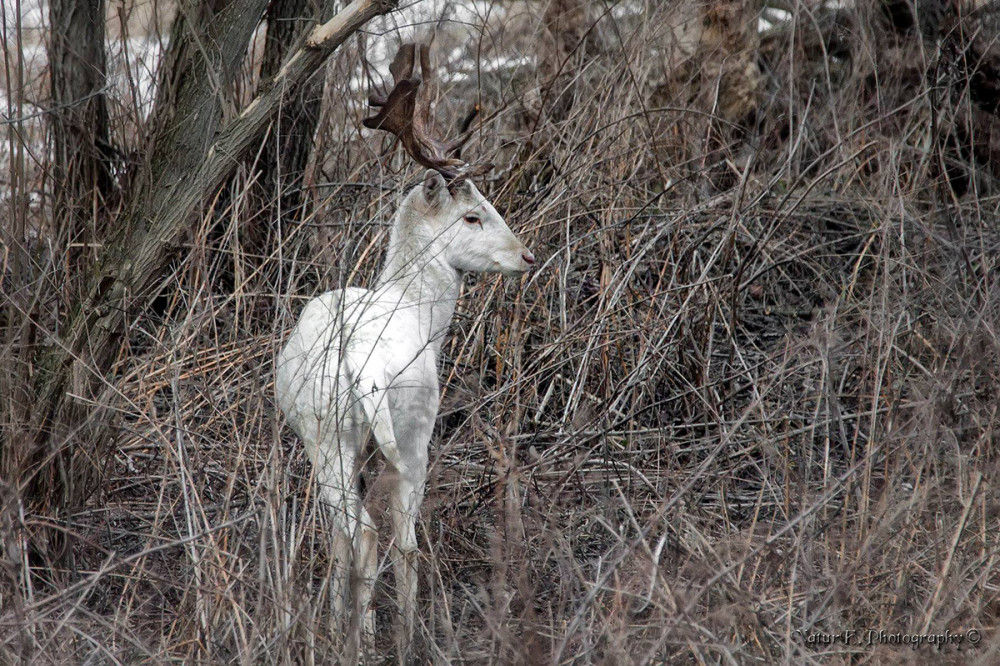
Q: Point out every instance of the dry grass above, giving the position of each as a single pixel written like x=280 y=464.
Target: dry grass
x=749 y=394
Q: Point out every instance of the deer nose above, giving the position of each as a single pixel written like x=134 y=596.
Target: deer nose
x=528 y=258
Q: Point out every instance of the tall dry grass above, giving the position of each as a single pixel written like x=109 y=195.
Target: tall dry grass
x=747 y=398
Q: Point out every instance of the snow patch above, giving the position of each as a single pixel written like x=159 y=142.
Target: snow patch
x=132 y=71
x=33 y=14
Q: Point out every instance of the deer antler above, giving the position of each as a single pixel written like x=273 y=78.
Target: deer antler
x=406 y=113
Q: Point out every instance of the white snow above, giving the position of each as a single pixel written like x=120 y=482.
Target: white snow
x=132 y=70
x=33 y=13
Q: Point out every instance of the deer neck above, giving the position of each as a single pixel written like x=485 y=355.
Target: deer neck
x=422 y=277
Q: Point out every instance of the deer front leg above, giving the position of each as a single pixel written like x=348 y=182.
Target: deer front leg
x=415 y=405
x=404 y=510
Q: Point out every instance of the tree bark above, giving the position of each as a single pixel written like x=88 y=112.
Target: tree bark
x=189 y=162
x=289 y=148
x=79 y=121
x=283 y=159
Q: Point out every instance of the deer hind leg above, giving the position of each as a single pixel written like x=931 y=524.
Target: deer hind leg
x=353 y=540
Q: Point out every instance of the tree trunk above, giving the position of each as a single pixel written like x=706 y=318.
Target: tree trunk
x=189 y=162
x=59 y=470
x=77 y=64
x=289 y=146
x=288 y=150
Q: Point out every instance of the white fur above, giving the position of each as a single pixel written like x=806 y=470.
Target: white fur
x=363 y=361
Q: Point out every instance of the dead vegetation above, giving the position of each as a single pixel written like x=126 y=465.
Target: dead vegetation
x=747 y=397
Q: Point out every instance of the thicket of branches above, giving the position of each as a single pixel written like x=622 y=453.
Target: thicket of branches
x=747 y=396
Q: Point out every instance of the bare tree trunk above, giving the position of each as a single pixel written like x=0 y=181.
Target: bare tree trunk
x=77 y=64
x=68 y=451
x=189 y=161
x=290 y=146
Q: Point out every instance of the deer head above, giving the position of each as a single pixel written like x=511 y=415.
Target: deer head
x=456 y=222
x=447 y=212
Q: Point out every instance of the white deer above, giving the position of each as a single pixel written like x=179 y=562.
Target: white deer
x=363 y=362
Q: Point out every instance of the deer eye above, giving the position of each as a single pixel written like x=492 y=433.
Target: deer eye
x=473 y=219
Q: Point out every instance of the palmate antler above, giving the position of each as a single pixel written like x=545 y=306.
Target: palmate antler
x=406 y=113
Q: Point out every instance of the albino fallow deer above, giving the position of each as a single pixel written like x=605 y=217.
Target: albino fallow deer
x=363 y=361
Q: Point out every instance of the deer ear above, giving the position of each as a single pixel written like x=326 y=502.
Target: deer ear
x=434 y=187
